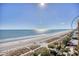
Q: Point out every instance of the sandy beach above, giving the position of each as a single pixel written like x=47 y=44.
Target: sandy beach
x=36 y=41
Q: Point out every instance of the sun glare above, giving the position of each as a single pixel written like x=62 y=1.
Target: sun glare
x=42 y=4
x=40 y=30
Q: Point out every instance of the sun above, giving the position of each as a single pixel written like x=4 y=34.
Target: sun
x=42 y=5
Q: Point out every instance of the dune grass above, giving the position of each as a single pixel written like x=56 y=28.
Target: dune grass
x=32 y=47
x=50 y=40
x=16 y=52
x=42 y=51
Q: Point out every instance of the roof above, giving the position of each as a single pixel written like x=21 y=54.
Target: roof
x=74 y=42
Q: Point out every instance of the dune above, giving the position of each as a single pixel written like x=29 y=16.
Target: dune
x=24 y=45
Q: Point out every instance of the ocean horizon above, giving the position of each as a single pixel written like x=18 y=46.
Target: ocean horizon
x=7 y=34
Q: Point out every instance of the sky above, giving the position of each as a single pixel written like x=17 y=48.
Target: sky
x=35 y=16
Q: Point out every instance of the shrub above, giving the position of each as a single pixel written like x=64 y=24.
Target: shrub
x=34 y=46
x=66 y=40
x=35 y=54
x=45 y=52
x=58 y=47
x=56 y=43
x=66 y=49
x=53 y=52
x=51 y=46
x=42 y=51
x=17 y=52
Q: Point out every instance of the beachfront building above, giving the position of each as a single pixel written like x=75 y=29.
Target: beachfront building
x=78 y=32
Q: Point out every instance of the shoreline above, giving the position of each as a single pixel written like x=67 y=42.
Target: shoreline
x=24 y=37
x=30 y=41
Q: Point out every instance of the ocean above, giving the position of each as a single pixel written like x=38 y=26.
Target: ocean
x=7 y=34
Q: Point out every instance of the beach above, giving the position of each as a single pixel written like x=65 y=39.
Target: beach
x=27 y=43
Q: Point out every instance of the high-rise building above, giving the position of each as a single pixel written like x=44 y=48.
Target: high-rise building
x=78 y=32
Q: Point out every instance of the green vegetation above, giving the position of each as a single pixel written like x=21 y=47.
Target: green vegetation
x=58 y=48
x=34 y=46
x=66 y=40
x=50 y=40
x=76 y=51
x=51 y=46
x=17 y=52
x=42 y=51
